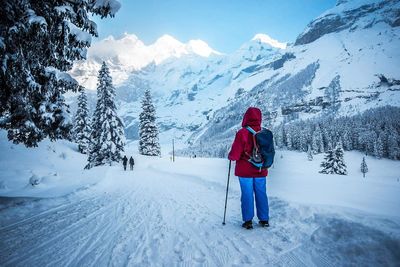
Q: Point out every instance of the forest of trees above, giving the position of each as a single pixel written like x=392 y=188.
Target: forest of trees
x=375 y=132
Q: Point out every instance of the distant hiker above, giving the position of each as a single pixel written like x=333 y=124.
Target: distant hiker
x=124 y=162
x=131 y=162
x=251 y=178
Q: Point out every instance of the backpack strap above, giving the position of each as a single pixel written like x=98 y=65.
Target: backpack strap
x=251 y=130
x=254 y=136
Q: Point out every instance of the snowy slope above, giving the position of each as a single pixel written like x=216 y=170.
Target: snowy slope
x=169 y=214
x=57 y=165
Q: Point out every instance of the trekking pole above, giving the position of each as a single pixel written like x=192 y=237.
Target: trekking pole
x=227 y=187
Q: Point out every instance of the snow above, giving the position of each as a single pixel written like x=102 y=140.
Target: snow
x=113 y=4
x=134 y=54
x=201 y=48
x=80 y=35
x=35 y=19
x=60 y=75
x=57 y=165
x=169 y=214
x=64 y=9
x=268 y=40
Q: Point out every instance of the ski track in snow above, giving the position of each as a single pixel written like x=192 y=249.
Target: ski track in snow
x=169 y=219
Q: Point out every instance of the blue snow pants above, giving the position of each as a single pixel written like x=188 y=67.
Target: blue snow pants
x=259 y=187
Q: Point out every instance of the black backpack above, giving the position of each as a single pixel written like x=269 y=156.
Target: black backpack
x=263 y=152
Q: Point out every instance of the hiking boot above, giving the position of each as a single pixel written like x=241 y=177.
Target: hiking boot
x=264 y=223
x=248 y=225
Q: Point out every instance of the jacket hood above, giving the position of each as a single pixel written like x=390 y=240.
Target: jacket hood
x=252 y=117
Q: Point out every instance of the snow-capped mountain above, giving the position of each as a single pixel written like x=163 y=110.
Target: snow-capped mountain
x=263 y=38
x=128 y=54
x=188 y=90
x=344 y=62
x=188 y=82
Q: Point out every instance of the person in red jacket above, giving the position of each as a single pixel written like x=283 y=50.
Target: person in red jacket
x=252 y=179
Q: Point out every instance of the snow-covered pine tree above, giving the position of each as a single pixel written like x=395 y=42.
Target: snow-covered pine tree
x=393 y=145
x=303 y=141
x=347 y=144
x=107 y=137
x=339 y=166
x=329 y=146
x=327 y=164
x=364 y=167
x=148 y=132
x=309 y=153
x=327 y=138
x=378 y=147
x=289 y=139
x=317 y=140
x=40 y=40
x=82 y=128
x=333 y=161
x=280 y=140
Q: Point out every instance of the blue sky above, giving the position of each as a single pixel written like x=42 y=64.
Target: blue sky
x=225 y=25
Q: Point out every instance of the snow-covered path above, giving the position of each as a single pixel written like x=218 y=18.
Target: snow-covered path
x=161 y=216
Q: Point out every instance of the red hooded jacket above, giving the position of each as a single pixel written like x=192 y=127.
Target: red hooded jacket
x=244 y=143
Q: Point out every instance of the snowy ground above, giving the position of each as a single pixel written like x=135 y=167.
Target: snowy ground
x=170 y=214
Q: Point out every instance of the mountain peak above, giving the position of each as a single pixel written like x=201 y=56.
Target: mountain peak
x=351 y=15
x=129 y=36
x=168 y=40
x=201 y=48
x=264 y=38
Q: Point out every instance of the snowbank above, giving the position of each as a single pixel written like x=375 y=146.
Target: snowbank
x=50 y=170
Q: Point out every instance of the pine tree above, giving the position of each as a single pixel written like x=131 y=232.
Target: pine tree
x=333 y=161
x=378 y=147
x=327 y=139
x=309 y=153
x=393 y=145
x=317 y=140
x=82 y=128
x=303 y=141
x=148 y=132
x=364 y=167
x=347 y=145
x=339 y=165
x=327 y=164
x=40 y=40
x=289 y=139
x=107 y=136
